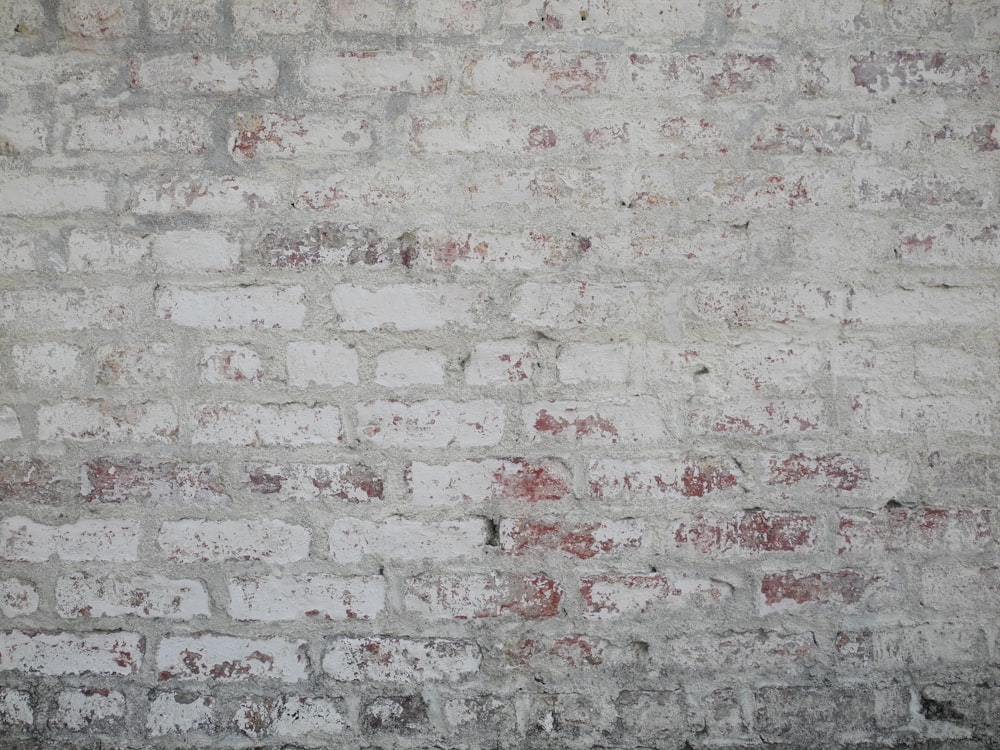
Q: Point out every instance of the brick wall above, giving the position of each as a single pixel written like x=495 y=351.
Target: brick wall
x=499 y=374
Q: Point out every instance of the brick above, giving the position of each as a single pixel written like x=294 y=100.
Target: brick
x=47 y=364
x=951 y=243
x=267 y=425
x=803 y=713
x=195 y=250
x=17 y=597
x=822 y=137
x=398 y=714
x=286 y=136
x=370 y=72
x=751 y=531
x=712 y=76
x=253 y=17
x=877 y=188
x=32 y=480
x=976 y=707
x=958 y=474
x=451 y=16
x=230 y=363
x=545 y=73
x=110 y=540
x=923 y=307
x=593 y=363
x=22 y=17
x=743 y=653
x=172 y=713
x=51 y=195
x=516 y=480
x=570 y=651
x=483 y=596
x=929 y=647
x=433 y=423
x=313 y=363
x=504 y=251
x=126 y=365
x=19 y=249
x=930 y=530
x=519 y=536
x=104 y=251
x=501 y=362
x=923 y=72
x=67 y=76
x=86 y=595
x=273 y=599
x=138 y=132
x=752 y=417
x=23 y=134
x=90 y=710
x=89 y=421
x=478 y=713
x=786 y=307
x=921 y=415
x=339 y=483
x=844 y=589
x=68 y=310
x=291 y=717
x=55 y=654
x=437 y=133
x=336 y=244
x=573 y=717
x=400 y=660
x=354 y=539
x=610 y=596
x=167 y=17
x=365 y=15
x=207 y=656
x=400 y=368
x=98 y=18
x=652 y=714
x=828 y=471
x=620 y=481
x=573 y=306
x=635 y=421
x=121 y=480
x=226 y=195
x=204 y=74
x=963 y=590
x=15 y=710
x=197 y=540
x=10 y=424
x=407 y=307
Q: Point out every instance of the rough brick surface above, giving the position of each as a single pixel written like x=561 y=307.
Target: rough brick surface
x=508 y=374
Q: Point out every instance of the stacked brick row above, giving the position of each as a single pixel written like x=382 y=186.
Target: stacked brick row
x=499 y=374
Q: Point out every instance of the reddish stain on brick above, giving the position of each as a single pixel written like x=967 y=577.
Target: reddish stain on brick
x=842 y=586
x=448 y=252
x=541 y=137
x=751 y=531
x=896 y=528
x=521 y=480
x=696 y=481
x=833 y=470
x=537 y=596
x=583 y=540
x=578 y=652
x=582 y=426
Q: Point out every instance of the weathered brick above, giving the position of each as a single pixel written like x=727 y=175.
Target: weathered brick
x=489 y=480
x=89 y=421
x=593 y=363
x=501 y=363
x=335 y=244
x=230 y=363
x=208 y=194
x=481 y=596
x=32 y=480
x=614 y=480
x=614 y=595
x=90 y=710
x=119 y=480
x=315 y=363
x=291 y=717
x=747 y=532
x=16 y=714
x=10 y=424
x=125 y=365
x=743 y=653
x=586 y=305
x=110 y=540
x=255 y=17
x=787 y=307
x=17 y=597
x=51 y=194
x=98 y=18
x=105 y=251
x=407 y=307
x=195 y=250
x=369 y=72
x=54 y=654
x=196 y=540
x=68 y=310
x=930 y=530
x=803 y=713
x=922 y=415
x=637 y=421
x=754 y=417
x=286 y=136
x=211 y=74
x=711 y=76
x=365 y=15
x=206 y=656
x=430 y=424
x=965 y=591
x=340 y=483
x=406 y=367
x=546 y=73
x=167 y=17
x=296 y=597
x=921 y=72
x=649 y=715
x=86 y=595
x=354 y=539
x=520 y=536
x=136 y=132
x=844 y=589
x=172 y=714
x=267 y=425
x=398 y=714
x=400 y=660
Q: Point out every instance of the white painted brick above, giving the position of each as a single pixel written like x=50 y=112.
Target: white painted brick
x=17 y=597
x=255 y=17
x=54 y=654
x=15 y=710
x=10 y=425
x=291 y=717
x=178 y=713
x=195 y=540
x=283 y=136
x=313 y=363
x=354 y=539
x=205 y=74
x=227 y=195
x=267 y=425
x=19 y=250
x=231 y=659
x=596 y=423
x=488 y=480
x=924 y=306
x=22 y=133
x=128 y=365
x=99 y=18
x=195 y=250
x=26 y=15
x=109 y=251
x=51 y=195
x=501 y=362
x=70 y=309
x=369 y=72
x=400 y=660
x=89 y=709
x=404 y=367
x=255 y=307
x=479 y=596
x=49 y=364
x=230 y=363
x=155 y=130
x=292 y=598
x=338 y=483
x=431 y=424
x=406 y=307
x=89 y=421
x=24 y=540
x=585 y=363
x=85 y=595
x=574 y=306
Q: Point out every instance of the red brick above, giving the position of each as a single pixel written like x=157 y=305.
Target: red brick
x=747 y=532
x=612 y=480
x=339 y=483
x=844 y=589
